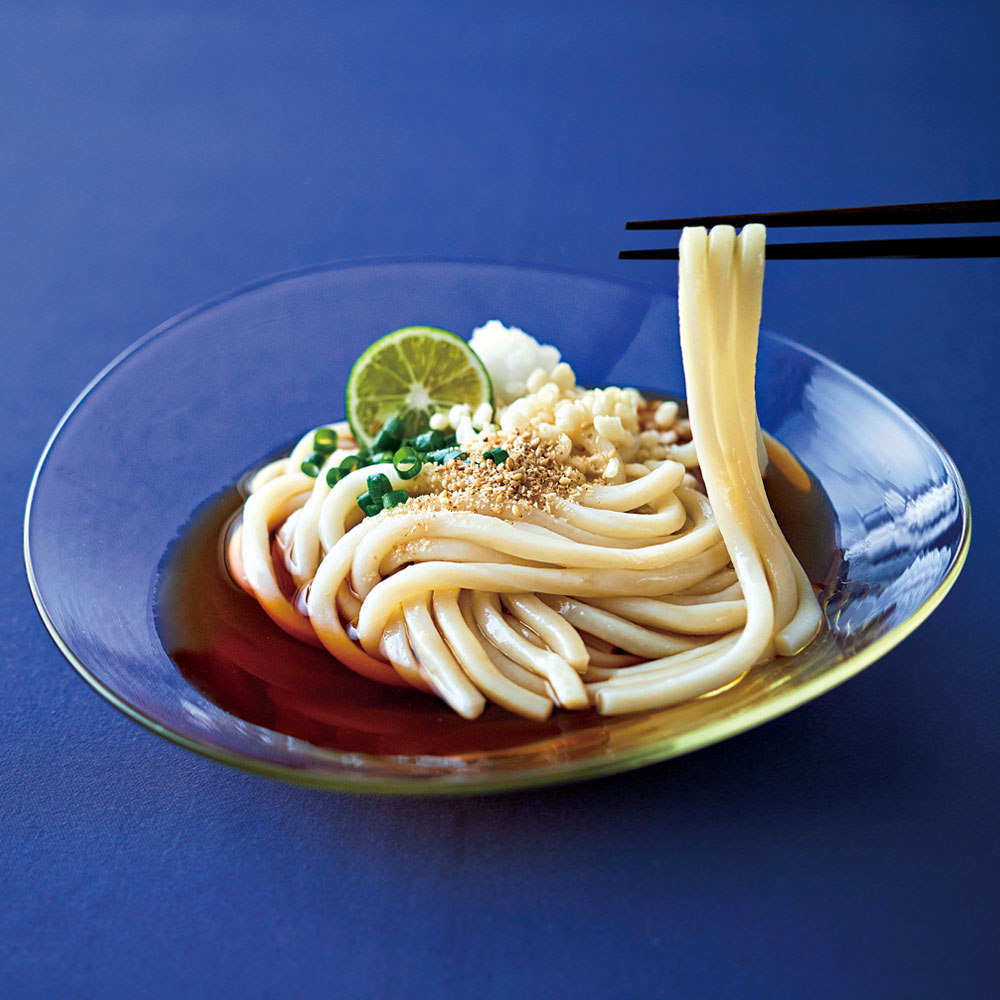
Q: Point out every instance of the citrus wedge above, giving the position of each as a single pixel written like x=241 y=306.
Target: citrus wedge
x=412 y=374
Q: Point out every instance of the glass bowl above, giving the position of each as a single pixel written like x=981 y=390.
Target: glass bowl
x=187 y=410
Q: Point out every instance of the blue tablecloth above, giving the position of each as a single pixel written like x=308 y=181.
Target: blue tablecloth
x=154 y=155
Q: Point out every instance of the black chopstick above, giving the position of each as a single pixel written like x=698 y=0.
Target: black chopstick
x=916 y=249
x=928 y=212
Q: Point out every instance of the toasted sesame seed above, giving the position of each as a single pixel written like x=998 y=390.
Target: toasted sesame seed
x=533 y=474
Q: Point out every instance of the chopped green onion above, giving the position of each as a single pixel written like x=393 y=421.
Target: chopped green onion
x=451 y=441
x=429 y=441
x=379 y=485
x=325 y=440
x=333 y=476
x=388 y=438
x=349 y=464
x=393 y=498
x=406 y=462
x=445 y=455
x=310 y=469
x=385 y=441
x=379 y=497
x=496 y=455
x=381 y=456
x=317 y=458
x=393 y=426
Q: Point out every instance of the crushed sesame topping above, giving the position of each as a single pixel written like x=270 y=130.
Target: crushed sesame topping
x=532 y=476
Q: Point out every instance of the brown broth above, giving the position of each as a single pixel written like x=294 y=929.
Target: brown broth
x=227 y=647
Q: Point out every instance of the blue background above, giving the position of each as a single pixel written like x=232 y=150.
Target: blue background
x=155 y=155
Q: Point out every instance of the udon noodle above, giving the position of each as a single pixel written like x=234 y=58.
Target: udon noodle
x=609 y=562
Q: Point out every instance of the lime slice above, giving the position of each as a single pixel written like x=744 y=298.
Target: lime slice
x=412 y=374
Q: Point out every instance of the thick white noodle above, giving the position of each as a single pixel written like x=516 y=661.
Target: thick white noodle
x=648 y=589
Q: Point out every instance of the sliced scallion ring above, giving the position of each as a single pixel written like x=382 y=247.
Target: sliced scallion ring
x=378 y=486
x=407 y=462
x=325 y=441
